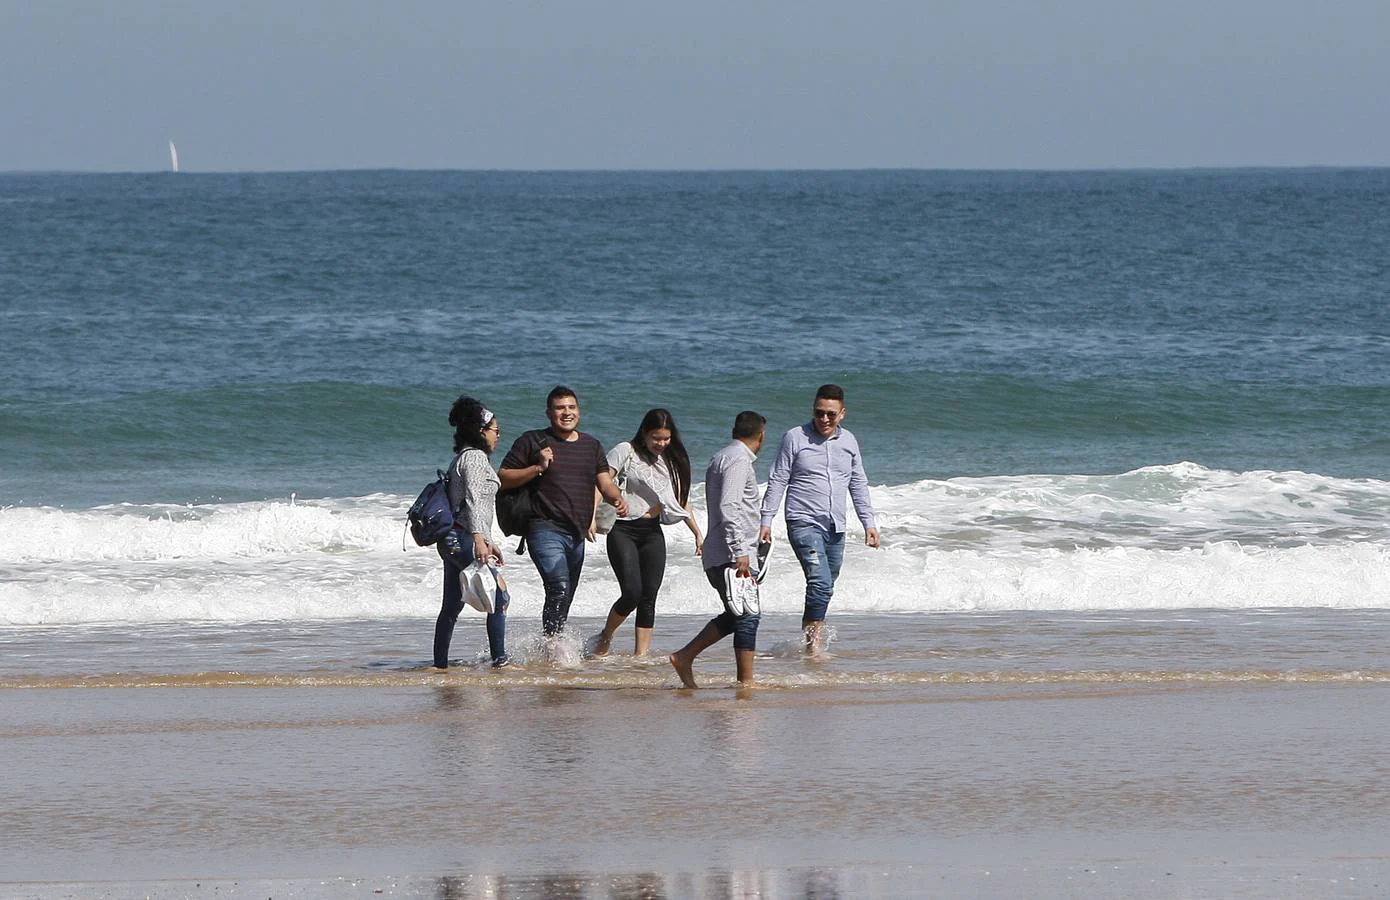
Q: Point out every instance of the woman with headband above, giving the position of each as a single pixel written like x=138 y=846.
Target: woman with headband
x=472 y=487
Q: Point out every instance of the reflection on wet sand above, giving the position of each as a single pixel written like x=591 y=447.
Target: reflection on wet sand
x=792 y=884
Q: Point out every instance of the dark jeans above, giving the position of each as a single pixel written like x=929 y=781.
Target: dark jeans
x=743 y=628
x=637 y=550
x=558 y=552
x=456 y=550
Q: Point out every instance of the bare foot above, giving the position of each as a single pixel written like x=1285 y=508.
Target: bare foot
x=683 y=669
x=595 y=645
x=602 y=642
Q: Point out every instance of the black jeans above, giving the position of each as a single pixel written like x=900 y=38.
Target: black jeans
x=637 y=550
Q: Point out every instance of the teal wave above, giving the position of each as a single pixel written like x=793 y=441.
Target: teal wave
x=345 y=439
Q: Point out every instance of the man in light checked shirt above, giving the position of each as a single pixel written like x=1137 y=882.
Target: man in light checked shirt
x=731 y=496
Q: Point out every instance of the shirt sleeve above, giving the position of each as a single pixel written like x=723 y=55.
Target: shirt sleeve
x=600 y=458
x=474 y=469
x=523 y=448
x=777 y=479
x=618 y=455
x=859 y=490
x=731 y=489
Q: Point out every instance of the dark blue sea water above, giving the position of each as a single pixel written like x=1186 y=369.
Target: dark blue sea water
x=205 y=338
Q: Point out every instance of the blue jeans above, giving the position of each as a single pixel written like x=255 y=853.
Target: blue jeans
x=558 y=552
x=456 y=551
x=820 y=553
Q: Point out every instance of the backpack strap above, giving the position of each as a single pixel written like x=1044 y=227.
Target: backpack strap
x=447 y=476
x=627 y=461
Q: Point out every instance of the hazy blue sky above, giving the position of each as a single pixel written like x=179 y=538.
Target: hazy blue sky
x=314 y=84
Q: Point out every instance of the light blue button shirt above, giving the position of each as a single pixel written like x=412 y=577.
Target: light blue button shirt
x=815 y=473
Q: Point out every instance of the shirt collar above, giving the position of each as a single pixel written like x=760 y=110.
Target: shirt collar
x=811 y=434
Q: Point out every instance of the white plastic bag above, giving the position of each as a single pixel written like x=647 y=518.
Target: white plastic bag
x=479 y=585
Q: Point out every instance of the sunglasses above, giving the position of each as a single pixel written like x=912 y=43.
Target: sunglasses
x=824 y=413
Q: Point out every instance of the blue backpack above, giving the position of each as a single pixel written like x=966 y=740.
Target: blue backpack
x=430 y=517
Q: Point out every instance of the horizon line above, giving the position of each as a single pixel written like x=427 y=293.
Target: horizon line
x=600 y=170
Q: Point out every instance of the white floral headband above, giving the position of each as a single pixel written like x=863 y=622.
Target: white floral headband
x=487 y=416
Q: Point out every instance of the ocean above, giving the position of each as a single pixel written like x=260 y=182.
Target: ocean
x=1125 y=433
x=1074 y=390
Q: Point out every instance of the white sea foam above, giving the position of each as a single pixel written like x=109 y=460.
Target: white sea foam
x=1162 y=537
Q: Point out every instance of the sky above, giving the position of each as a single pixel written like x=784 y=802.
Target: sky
x=256 y=85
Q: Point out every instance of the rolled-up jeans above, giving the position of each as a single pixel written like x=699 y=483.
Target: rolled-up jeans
x=820 y=553
x=743 y=628
x=456 y=551
x=558 y=552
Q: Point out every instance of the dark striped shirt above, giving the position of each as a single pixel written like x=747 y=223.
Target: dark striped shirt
x=565 y=493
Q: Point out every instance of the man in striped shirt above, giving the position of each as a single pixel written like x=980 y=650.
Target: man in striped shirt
x=563 y=466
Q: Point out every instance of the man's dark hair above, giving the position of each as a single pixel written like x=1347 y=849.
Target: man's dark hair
x=830 y=392
x=748 y=423
x=557 y=392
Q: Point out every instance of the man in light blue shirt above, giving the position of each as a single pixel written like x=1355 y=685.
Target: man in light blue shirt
x=816 y=466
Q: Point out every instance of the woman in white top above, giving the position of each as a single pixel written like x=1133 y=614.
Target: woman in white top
x=653 y=471
x=472 y=487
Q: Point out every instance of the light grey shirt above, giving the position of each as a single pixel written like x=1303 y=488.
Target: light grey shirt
x=645 y=484
x=815 y=473
x=731 y=494
x=472 y=488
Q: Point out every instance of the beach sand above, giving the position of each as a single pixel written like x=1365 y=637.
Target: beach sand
x=860 y=776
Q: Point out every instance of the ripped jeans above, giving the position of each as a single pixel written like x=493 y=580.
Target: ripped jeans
x=820 y=553
x=456 y=551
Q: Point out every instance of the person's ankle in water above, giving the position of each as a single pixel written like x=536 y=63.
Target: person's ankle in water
x=684 y=668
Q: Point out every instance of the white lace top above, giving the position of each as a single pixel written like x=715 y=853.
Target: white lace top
x=646 y=484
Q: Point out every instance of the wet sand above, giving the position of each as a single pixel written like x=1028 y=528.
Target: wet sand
x=1041 y=776
x=1033 y=876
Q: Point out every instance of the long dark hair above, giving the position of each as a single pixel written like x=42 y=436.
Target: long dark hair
x=677 y=460
x=466 y=415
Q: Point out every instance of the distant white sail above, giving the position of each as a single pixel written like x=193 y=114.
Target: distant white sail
x=173 y=156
